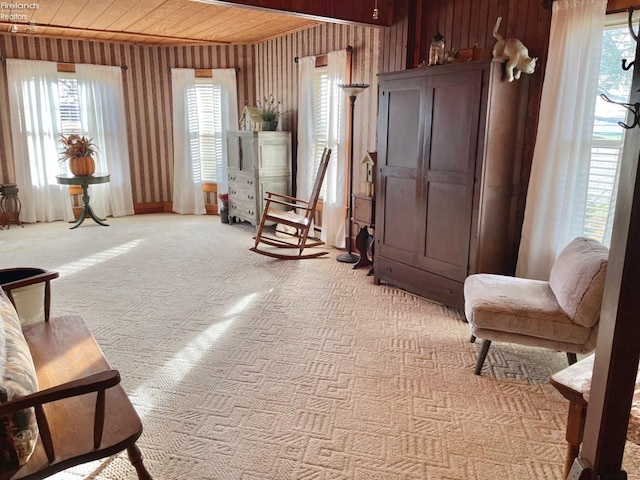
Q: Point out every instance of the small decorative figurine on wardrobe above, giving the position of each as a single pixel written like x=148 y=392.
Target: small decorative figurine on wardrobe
x=436 y=50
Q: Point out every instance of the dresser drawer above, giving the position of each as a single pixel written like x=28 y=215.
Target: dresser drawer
x=244 y=211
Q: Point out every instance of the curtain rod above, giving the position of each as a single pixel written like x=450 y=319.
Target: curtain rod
x=348 y=49
x=238 y=69
x=124 y=67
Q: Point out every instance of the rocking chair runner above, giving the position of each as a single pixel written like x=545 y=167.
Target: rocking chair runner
x=299 y=217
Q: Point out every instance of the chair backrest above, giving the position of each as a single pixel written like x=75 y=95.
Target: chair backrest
x=577 y=280
x=317 y=185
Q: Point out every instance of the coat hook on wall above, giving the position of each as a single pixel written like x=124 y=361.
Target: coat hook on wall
x=633 y=108
x=631 y=30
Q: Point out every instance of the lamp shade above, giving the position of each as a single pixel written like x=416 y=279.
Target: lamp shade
x=353 y=89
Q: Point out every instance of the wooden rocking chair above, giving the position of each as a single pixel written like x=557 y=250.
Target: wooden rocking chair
x=298 y=215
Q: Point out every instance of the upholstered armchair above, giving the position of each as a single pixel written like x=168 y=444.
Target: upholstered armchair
x=561 y=314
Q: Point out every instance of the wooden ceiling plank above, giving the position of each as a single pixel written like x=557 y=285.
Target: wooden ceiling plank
x=325 y=10
x=124 y=11
x=90 y=13
x=154 y=21
x=46 y=11
x=171 y=19
x=68 y=11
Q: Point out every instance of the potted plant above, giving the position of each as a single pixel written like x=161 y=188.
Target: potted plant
x=269 y=111
x=224 y=211
x=79 y=150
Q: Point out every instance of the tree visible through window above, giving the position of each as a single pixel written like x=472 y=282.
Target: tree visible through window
x=608 y=136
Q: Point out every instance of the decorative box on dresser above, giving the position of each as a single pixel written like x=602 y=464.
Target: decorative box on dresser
x=449 y=163
x=259 y=162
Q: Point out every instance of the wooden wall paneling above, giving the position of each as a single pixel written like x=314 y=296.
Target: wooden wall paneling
x=465 y=39
x=395 y=56
x=457 y=27
x=483 y=19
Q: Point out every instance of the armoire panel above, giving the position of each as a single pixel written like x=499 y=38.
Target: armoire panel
x=400 y=225
x=402 y=149
x=445 y=247
x=454 y=113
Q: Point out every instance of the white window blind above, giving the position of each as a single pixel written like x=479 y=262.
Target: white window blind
x=69 y=101
x=208 y=110
x=608 y=135
x=321 y=117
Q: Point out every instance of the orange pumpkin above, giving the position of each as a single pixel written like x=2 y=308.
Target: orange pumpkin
x=82 y=166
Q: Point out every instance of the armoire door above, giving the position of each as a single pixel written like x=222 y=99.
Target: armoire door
x=453 y=107
x=399 y=160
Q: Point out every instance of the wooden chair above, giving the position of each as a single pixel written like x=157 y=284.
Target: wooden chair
x=81 y=410
x=29 y=290
x=295 y=213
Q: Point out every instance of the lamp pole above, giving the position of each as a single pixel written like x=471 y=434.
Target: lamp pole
x=352 y=90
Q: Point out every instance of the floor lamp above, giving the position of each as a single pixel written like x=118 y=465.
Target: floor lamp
x=352 y=90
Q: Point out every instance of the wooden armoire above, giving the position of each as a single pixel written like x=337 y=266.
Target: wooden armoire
x=450 y=143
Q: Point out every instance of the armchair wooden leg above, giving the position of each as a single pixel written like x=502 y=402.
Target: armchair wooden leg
x=483 y=354
x=572 y=358
x=135 y=457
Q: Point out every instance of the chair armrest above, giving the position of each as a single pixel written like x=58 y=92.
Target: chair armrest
x=286 y=204
x=42 y=277
x=286 y=197
x=90 y=383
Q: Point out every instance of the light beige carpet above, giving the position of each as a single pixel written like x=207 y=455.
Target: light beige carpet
x=245 y=368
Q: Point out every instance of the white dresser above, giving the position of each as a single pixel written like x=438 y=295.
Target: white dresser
x=259 y=162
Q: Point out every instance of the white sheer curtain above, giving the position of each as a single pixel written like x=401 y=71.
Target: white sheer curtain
x=226 y=79
x=103 y=118
x=35 y=130
x=187 y=176
x=305 y=175
x=555 y=205
x=187 y=171
x=333 y=210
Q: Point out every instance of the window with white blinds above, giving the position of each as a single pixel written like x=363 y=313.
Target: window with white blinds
x=69 y=101
x=608 y=135
x=321 y=117
x=208 y=110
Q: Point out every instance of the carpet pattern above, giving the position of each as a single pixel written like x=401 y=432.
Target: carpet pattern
x=244 y=368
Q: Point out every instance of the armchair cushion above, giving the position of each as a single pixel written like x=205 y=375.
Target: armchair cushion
x=19 y=431
x=520 y=306
x=577 y=280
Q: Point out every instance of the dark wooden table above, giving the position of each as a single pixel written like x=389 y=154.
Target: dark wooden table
x=84 y=182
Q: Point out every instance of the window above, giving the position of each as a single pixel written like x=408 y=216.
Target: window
x=321 y=116
x=608 y=136
x=208 y=111
x=69 y=101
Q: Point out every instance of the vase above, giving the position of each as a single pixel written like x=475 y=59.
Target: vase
x=224 y=215
x=82 y=166
x=269 y=125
